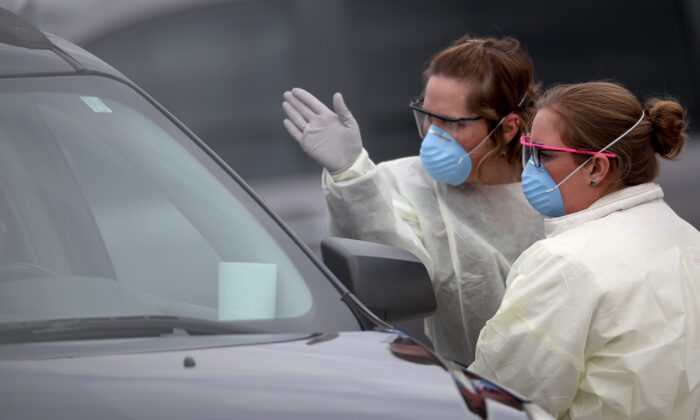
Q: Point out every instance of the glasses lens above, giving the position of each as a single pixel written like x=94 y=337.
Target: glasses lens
x=422 y=122
x=530 y=153
x=425 y=119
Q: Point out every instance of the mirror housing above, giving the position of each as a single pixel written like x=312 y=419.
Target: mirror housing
x=390 y=281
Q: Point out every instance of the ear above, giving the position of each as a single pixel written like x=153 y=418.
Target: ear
x=598 y=169
x=511 y=125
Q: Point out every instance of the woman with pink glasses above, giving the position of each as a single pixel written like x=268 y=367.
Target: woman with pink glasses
x=602 y=318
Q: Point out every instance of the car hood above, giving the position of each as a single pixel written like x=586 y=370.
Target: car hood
x=354 y=374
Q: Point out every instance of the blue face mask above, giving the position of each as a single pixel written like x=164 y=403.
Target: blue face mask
x=443 y=158
x=446 y=160
x=541 y=191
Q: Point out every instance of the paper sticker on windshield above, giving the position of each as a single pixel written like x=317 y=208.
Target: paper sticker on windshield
x=247 y=291
x=96 y=104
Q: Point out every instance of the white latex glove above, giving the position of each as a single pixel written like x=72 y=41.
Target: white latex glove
x=331 y=138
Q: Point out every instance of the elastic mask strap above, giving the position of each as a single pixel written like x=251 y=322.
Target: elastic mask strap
x=599 y=151
x=522 y=101
x=482 y=141
x=492 y=131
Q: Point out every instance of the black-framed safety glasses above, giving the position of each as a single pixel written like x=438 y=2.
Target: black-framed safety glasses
x=425 y=119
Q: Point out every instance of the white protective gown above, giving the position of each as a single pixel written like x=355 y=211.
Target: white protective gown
x=601 y=320
x=467 y=237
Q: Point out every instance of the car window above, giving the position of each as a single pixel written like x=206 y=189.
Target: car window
x=108 y=209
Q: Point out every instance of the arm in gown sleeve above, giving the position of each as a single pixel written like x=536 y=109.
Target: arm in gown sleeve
x=364 y=202
x=535 y=343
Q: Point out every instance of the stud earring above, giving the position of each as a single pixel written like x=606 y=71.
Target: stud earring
x=594 y=181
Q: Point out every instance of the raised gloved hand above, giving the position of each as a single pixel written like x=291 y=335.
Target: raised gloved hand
x=331 y=138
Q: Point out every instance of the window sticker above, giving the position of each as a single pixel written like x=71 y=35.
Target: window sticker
x=96 y=104
x=247 y=291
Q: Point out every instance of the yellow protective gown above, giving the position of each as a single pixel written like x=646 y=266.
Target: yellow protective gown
x=467 y=237
x=601 y=320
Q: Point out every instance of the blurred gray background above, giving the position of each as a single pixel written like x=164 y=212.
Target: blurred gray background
x=221 y=67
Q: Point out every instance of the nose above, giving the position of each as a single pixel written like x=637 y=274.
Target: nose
x=436 y=122
x=440 y=123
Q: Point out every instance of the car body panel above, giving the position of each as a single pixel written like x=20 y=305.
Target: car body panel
x=88 y=62
x=350 y=374
x=18 y=61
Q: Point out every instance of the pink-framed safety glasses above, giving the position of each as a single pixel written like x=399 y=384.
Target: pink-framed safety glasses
x=531 y=151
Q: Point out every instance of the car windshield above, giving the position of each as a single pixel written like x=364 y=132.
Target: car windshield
x=109 y=211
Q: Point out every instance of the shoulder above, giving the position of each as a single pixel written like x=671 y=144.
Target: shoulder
x=553 y=270
x=612 y=254
x=545 y=256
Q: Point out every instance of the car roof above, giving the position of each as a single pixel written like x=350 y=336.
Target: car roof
x=26 y=51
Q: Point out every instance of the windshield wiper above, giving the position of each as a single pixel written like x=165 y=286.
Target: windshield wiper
x=116 y=327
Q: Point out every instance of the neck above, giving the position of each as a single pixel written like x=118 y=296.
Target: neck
x=496 y=171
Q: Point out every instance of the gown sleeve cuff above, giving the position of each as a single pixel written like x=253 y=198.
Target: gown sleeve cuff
x=361 y=166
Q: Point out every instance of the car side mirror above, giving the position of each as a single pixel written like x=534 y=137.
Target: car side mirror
x=390 y=281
